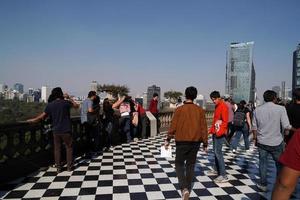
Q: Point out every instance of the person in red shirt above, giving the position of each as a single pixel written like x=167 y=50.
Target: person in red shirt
x=154 y=110
x=153 y=104
x=290 y=173
x=142 y=127
x=219 y=131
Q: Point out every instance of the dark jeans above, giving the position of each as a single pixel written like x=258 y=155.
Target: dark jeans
x=186 y=153
x=219 y=159
x=264 y=151
x=92 y=136
x=107 y=134
x=143 y=126
x=230 y=131
x=125 y=128
x=68 y=141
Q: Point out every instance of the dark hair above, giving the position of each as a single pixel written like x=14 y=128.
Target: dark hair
x=243 y=102
x=92 y=93
x=269 y=95
x=56 y=93
x=215 y=94
x=190 y=93
x=155 y=94
x=296 y=94
x=96 y=101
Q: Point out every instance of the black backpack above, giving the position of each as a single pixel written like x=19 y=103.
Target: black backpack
x=239 y=118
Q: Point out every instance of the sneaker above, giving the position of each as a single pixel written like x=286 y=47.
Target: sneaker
x=233 y=150
x=185 y=194
x=221 y=179
x=261 y=187
x=212 y=172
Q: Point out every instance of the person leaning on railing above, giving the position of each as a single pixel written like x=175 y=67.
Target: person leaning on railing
x=59 y=112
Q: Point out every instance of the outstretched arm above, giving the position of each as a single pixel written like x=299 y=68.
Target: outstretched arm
x=38 y=118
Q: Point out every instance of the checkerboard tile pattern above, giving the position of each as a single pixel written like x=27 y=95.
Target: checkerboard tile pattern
x=136 y=171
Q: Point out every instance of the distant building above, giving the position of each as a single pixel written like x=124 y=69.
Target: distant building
x=150 y=91
x=296 y=68
x=277 y=89
x=3 y=87
x=145 y=105
x=30 y=91
x=45 y=93
x=19 y=88
x=30 y=98
x=200 y=101
x=37 y=95
x=94 y=86
x=240 y=73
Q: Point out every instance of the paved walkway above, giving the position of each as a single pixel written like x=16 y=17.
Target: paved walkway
x=136 y=171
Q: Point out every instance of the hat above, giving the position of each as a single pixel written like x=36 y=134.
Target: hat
x=226 y=96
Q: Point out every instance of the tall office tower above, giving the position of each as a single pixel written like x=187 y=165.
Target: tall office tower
x=240 y=73
x=277 y=89
x=45 y=93
x=296 y=68
x=94 y=86
x=2 y=88
x=150 y=91
x=19 y=87
x=283 y=90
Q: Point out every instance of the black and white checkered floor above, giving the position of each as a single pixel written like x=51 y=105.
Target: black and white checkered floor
x=136 y=171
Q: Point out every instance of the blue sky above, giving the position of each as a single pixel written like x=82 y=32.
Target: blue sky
x=173 y=44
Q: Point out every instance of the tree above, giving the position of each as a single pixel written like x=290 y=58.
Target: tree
x=114 y=90
x=172 y=95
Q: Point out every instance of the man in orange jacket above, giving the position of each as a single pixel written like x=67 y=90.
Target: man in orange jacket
x=189 y=129
x=218 y=131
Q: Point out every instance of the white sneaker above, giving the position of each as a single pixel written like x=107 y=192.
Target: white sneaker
x=233 y=150
x=262 y=187
x=211 y=172
x=221 y=179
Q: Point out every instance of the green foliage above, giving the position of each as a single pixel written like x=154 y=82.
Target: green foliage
x=114 y=90
x=14 y=110
x=172 y=95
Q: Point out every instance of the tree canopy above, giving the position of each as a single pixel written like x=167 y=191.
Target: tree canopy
x=172 y=95
x=114 y=90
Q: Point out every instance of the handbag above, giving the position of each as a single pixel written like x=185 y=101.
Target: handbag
x=166 y=153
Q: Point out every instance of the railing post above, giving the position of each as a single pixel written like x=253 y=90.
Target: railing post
x=153 y=124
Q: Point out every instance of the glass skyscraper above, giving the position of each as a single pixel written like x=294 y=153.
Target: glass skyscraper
x=296 y=68
x=240 y=73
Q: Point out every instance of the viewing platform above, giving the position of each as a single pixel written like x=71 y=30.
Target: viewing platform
x=129 y=171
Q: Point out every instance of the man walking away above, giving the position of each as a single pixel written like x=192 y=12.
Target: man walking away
x=189 y=129
x=266 y=125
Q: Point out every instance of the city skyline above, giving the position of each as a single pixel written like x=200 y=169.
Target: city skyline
x=172 y=44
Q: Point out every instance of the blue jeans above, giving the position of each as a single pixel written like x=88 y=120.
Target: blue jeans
x=219 y=160
x=264 y=151
x=241 y=131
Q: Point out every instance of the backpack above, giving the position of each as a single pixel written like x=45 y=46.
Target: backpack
x=239 y=118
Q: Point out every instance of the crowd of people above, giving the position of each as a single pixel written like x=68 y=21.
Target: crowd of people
x=99 y=121
x=275 y=131
x=274 y=127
